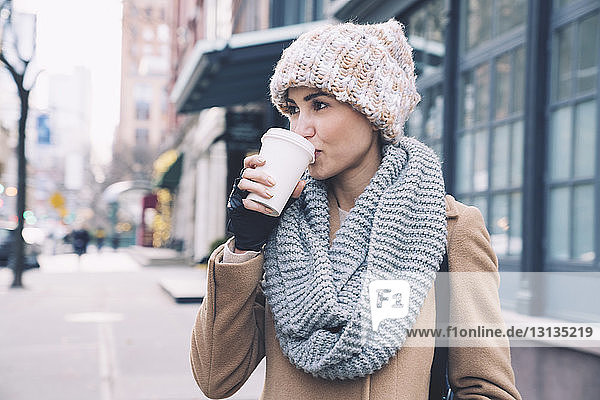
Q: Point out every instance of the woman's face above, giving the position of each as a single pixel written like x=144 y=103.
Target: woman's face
x=344 y=139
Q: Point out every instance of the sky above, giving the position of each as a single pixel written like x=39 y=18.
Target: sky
x=81 y=33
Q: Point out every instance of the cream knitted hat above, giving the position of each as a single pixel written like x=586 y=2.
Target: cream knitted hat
x=369 y=67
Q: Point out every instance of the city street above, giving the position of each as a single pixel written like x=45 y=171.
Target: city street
x=102 y=329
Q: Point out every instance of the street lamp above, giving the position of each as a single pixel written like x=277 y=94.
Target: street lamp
x=17 y=46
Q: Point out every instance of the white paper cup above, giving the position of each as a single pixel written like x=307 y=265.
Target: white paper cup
x=287 y=156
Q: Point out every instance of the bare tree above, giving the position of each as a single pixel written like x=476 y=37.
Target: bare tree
x=14 y=58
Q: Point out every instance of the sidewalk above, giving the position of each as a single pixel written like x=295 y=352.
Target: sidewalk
x=103 y=329
x=150 y=256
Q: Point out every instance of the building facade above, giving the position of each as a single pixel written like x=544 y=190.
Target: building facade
x=144 y=77
x=510 y=103
x=220 y=110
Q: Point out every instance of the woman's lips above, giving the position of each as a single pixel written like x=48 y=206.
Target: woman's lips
x=317 y=153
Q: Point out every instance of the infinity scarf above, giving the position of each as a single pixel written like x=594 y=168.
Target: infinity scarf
x=319 y=294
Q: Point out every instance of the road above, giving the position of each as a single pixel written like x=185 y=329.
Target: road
x=99 y=329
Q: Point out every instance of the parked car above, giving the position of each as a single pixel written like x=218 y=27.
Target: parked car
x=32 y=251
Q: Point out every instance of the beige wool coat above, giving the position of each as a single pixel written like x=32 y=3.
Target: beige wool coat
x=234 y=330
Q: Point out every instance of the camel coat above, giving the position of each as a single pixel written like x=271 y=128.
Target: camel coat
x=234 y=330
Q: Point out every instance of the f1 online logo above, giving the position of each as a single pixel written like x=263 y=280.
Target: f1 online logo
x=389 y=300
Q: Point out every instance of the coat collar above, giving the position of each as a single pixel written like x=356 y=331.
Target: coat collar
x=451 y=209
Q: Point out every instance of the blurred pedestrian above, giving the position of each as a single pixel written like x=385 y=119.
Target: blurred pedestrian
x=371 y=208
x=100 y=234
x=80 y=239
x=115 y=241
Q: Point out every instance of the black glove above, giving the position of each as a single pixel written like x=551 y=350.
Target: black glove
x=250 y=228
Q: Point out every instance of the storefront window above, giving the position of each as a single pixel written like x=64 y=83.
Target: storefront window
x=292 y=12
x=487 y=19
x=427 y=121
x=558 y=224
x=560 y=144
x=510 y=14
x=583 y=229
x=490 y=147
x=584 y=153
x=479 y=22
x=500 y=156
x=499 y=226
x=561 y=3
x=425 y=30
x=502 y=87
x=562 y=71
x=519 y=80
x=572 y=142
x=587 y=58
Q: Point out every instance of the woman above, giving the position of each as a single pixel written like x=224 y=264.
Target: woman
x=296 y=289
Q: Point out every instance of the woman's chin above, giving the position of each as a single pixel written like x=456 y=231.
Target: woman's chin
x=318 y=173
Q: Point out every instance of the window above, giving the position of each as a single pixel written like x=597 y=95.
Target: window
x=141 y=136
x=148 y=34
x=142 y=92
x=572 y=140
x=142 y=111
x=487 y=19
x=162 y=32
x=133 y=10
x=561 y=3
x=425 y=28
x=575 y=58
x=164 y=100
x=292 y=12
x=490 y=146
x=427 y=121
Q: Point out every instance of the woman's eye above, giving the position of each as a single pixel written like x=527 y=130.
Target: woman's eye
x=291 y=109
x=319 y=105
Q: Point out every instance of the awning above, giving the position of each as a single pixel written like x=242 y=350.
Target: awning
x=170 y=179
x=369 y=11
x=223 y=73
x=111 y=194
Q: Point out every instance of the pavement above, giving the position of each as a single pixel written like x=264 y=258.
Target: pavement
x=102 y=327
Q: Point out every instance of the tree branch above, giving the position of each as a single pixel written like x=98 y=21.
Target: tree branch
x=16 y=76
x=37 y=75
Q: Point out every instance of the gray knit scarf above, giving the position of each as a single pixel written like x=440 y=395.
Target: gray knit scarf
x=319 y=294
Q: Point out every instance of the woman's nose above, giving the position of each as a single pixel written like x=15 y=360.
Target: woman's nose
x=303 y=127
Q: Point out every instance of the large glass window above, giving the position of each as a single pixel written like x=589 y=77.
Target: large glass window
x=490 y=146
x=487 y=19
x=572 y=141
x=561 y=3
x=292 y=12
x=427 y=121
x=425 y=30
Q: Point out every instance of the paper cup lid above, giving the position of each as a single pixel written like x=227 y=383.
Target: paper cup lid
x=292 y=137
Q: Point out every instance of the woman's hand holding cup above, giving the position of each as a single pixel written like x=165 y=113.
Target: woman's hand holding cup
x=249 y=221
x=259 y=182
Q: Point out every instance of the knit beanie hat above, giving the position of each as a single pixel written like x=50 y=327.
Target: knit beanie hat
x=369 y=67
